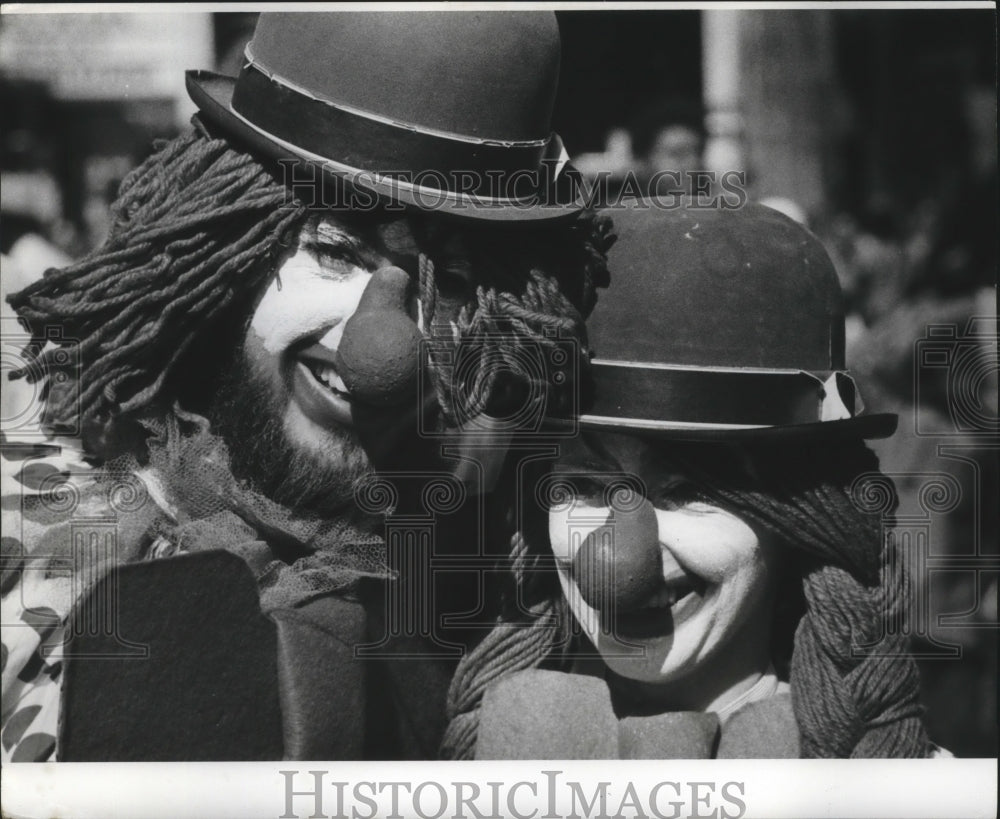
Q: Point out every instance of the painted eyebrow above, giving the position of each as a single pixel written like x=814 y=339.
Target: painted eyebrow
x=668 y=473
x=582 y=468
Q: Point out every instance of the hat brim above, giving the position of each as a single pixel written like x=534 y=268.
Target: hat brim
x=865 y=427
x=213 y=94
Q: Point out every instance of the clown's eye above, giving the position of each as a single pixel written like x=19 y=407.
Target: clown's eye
x=587 y=487
x=674 y=493
x=337 y=262
x=579 y=487
x=454 y=283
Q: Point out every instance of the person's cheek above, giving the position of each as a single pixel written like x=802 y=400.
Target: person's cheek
x=292 y=305
x=348 y=295
x=279 y=325
x=568 y=529
x=559 y=535
x=745 y=585
x=300 y=303
x=709 y=542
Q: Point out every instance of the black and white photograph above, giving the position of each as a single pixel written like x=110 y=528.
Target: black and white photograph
x=499 y=410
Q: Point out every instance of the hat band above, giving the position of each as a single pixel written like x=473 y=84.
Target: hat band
x=425 y=159
x=726 y=398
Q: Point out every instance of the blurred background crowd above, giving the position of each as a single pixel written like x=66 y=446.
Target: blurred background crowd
x=875 y=128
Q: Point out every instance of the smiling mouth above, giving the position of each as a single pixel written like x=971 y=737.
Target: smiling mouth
x=659 y=615
x=318 y=389
x=675 y=592
x=326 y=374
x=321 y=362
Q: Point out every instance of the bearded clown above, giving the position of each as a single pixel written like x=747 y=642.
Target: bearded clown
x=270 y=323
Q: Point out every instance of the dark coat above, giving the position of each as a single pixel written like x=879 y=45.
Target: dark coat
x=192 y=670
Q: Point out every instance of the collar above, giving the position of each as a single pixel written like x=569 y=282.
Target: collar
x=767 y=686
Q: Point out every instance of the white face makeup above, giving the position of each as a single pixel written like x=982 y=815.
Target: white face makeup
x=710 y=609
x=298 y=324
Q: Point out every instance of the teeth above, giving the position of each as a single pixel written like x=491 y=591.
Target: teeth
x=329 y=376
x=660 y=599
x=668 y=596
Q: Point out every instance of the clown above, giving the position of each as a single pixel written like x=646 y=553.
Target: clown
x=244 y=352
x=703 y=572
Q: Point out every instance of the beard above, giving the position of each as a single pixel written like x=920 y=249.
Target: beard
x=248 y=412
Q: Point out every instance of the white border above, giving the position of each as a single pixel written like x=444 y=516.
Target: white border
x=820 y=789
x=607 y=5
x=774 y=789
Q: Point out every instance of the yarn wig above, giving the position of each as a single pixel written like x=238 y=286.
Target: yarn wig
x=197 y=231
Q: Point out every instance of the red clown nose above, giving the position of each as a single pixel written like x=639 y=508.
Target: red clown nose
x=378 y=356
x=619 y=564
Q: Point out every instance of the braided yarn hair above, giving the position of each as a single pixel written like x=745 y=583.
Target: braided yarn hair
x=854 y=685
x=197 y=230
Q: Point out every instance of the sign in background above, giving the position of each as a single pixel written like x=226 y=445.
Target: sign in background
x=108 y=56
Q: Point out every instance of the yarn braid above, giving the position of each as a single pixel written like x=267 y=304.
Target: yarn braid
x=514 y=644
x=855 y=689
x=196 y=226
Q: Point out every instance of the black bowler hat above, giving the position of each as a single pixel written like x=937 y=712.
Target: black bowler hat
x=443 y=110
x=720 y=324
